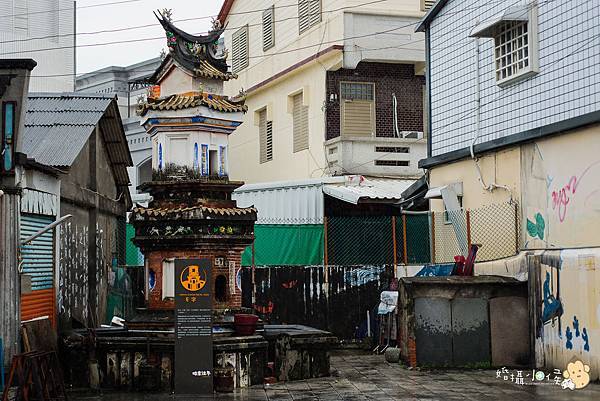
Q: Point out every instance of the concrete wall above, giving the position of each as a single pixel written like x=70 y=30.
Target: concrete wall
x=561 y=190
x=244 y=155
x=568 y=60
x=291 y=47
x=290 y=50
x=488 y=209
x=569 y=308
x=90 y=240
x=452 y=322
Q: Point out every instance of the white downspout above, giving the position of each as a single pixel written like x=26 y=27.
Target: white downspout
x=395 y=103
x=493 y=185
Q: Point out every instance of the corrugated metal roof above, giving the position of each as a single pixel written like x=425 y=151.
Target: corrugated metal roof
x=359 y=189
x=286 y=202
x=57 y=125
x=302 y=202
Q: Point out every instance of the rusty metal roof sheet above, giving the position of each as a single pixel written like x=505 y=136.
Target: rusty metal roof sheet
x=184 y=101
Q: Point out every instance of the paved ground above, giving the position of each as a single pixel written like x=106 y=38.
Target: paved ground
x=367 y=377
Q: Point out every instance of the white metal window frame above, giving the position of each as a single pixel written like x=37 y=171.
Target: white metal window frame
x=516 y=43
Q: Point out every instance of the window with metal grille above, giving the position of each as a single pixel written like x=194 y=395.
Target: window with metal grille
x=394 y=163
x=512 y=50
x=239 y=48
x=357 y=108
x=300 y=123
x=309 y=14
x=266 y=137
x=268 y=19
x=392 y=149
x=427 y=4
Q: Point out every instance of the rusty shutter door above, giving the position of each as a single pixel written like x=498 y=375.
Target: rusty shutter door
x=38 y=262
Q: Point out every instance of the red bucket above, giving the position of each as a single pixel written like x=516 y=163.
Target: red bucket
x=245 y=324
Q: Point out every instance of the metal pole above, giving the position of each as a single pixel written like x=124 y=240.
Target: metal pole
x=469 y=228
x=395 y=245
x=432 y=237
x=46 y=229
x=404 y=238
x=253 y=274
x=325 y=252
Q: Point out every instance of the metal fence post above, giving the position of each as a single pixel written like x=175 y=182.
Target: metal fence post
x=432 y=233
x=468 y=212
x=405 y=253
x=395 y=244
x=325 y=252
x=253 y=275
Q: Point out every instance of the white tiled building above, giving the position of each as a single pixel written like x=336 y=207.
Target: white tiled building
x=43 y=30
x=514 y=99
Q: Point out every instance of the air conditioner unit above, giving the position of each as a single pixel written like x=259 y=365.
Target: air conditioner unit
x=412 y=134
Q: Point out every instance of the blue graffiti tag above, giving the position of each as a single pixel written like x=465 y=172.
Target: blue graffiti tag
x=586 y=339
x=576 y=326
x=552 y=306
x=569 y=338
x=435 y=270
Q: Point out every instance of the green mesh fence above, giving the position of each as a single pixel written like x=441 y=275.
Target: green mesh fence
x=133 y=255
x=417 y=246
x=360 y=240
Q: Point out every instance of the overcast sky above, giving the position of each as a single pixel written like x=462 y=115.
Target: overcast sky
x=126 y=15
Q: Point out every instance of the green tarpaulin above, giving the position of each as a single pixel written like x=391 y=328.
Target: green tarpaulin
x=281 y=245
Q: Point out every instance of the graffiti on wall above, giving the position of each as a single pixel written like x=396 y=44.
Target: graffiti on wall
x=552 y=307
x=579 y=334
x=537 y=227
x=561 y=197
x=561 y=192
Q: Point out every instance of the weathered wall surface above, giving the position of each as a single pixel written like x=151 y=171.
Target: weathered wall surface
x=569 y=309
x=561 y=191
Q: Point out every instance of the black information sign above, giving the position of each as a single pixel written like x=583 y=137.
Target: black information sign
x=193 y=327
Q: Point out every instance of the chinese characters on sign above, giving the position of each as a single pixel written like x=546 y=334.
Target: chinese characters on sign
x=193 y=327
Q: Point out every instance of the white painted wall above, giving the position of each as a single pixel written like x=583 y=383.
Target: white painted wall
x=21 y=21
x=357 y=155
x=567 y=85
x=291 y=48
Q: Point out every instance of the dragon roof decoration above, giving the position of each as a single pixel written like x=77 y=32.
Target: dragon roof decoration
x=194 y=52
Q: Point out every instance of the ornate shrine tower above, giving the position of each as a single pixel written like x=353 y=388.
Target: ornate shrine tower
x=192 y=214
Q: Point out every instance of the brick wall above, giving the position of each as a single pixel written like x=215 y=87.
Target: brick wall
x=230 y=254
x=388 y=78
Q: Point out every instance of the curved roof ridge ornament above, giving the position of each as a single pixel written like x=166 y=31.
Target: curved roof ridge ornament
x=212 y=36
